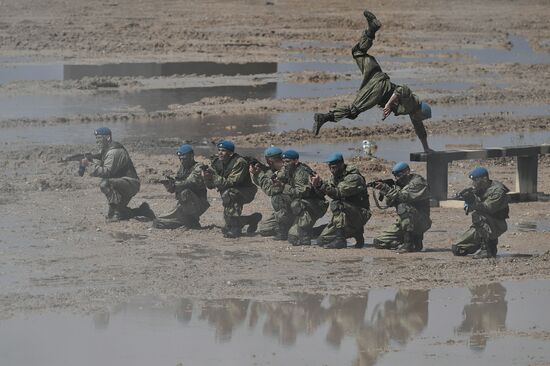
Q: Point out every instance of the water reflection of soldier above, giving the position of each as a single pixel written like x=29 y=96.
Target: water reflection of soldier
x=266 y=179
x=224 y=316
x=488 y=203
x=410 y=196
x=184 y=310
x=119 y=179
x=190 y=191
x=398 y=320
x=306 y=205
x=230 y=176
x=346 y=315
x=349 y=205
x=486 y=313
x=376 y=89
x=285 y=320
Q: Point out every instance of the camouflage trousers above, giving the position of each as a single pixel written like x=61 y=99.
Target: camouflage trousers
x=281 y=216
x=302 y=215
x=409 y=220
x=349 y=218
x=233 y=200
x=119 y=191
x=484 y=228
x=186 y=213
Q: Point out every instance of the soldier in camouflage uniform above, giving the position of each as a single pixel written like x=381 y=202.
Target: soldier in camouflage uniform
x=267 y=179
x=488 y=203
x=230 y=176
x=305 y=205
x=190 y=191
x=411 y=197
x=350 y=204
x=376 y=89
x=119 y=179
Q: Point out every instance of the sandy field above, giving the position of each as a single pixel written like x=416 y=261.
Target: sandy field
x=57 y=252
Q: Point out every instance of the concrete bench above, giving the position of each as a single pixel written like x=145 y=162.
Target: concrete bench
x=437 y=168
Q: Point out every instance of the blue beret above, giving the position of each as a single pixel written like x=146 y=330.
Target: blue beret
x=335 y=158
x=184 y=149
x=291 y=154
x=478 y=172
x=399 y=167
x=272 y=151
x=102 y=131
x=226 y=144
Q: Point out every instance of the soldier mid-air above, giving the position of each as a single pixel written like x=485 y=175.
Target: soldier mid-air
x=265 y=177
x=350 y=204
x=488 y=201
x=411 y=198
x=119 y=179
x=376 y=89
x=304 y=205
x=190 y=191
x=230 y=176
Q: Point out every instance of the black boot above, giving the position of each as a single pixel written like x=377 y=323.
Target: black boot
x=359 y=240
x=417 y=242
x=492 y=247
x=408 y=244
x=282 y=233
x=320 y=119
x=233 y=228
x=485 y=251
x=339 y=241
x=111 y=211
x=143 y=210
x=253 y=221
x=120 y=213
x=374 y=24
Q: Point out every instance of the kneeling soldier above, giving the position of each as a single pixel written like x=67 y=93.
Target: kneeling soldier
x=411 y=198
x=304 y=205
x=350 y=204
x=119 y=179
x=266 y=178
x=190 y=191
x=230 y=176
x=488 y=203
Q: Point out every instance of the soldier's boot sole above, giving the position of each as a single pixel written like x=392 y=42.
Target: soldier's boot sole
x=253 y=221
x=374 y=23
x=337 y=243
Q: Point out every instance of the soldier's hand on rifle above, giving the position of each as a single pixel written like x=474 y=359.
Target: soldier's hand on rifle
x=254 y=169
x=315 y=181
x=382 y=187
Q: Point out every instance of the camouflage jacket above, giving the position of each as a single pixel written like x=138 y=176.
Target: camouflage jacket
x=349 y=187
x=296 y=183
x=232 y=173
x=115 y=163
x=493 y=201
x=190 y=178
x=414 y=193
x=266 y=179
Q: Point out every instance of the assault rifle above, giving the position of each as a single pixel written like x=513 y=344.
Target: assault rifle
x=374 y=183
x=468 y=196
x=80 y=157
x=256 y=162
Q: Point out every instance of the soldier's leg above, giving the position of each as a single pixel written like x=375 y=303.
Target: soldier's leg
x=300 y=231
x=232 y=209
x=420 y=130
x=269 y=226
x=474 y=238
x=414 y=224
x=390 y=238
x=119 y=192
x=186 y=213
x=283 y=215
x=339 y=223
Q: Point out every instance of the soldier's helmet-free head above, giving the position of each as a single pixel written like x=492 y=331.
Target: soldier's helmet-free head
x=290 y=158
x=335 y=163
x=226 y=148
x=103 y=137
x=185 y=153
x=400 y=171
x=480 y=177
x=274 y=157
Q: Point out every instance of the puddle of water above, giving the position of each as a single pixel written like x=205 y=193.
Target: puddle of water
x=312 y=44
x=486 y=325
x=521 y=52
x=530 y=226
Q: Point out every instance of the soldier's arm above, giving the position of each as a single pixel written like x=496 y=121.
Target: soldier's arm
x=413 y=192
x=495 y=201
x=301 y=187
x=264 y=181
x=236 y=177
x=104 y=169
x=193 y=181
x=352 y=185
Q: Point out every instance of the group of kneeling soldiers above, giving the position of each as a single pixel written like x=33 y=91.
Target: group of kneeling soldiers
x=298 y=198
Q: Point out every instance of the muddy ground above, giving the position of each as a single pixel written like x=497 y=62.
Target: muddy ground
x=57 y=252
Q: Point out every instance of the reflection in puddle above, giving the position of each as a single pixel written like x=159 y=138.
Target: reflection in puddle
x=120 y=236
x=490 y=325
